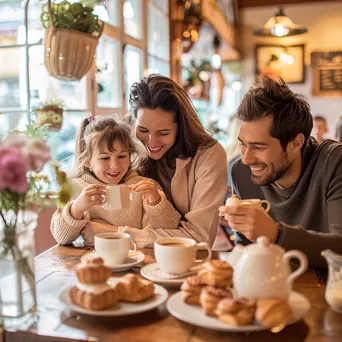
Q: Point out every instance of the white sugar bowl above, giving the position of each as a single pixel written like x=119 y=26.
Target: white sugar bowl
x=263 y=270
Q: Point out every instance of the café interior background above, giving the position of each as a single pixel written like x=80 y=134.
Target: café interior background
x=139 y=39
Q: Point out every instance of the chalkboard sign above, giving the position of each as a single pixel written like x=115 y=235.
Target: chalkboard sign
x=328 y=80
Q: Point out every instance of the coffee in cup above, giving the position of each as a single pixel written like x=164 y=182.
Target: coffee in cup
x=117 y=197
x=178 y=255
x=113 y=247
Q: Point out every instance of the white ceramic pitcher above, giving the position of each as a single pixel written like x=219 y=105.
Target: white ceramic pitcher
x=263 y=270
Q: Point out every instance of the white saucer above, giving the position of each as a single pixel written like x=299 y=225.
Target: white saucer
x=194 y=314
x=148 y=272
x=122 y=308
x=132 y=259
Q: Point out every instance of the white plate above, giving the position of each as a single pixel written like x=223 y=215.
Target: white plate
x=122 y=308
x=148 y=272
x=195 y=315
x=132 y=259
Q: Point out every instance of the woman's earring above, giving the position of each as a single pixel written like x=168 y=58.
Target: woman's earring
x=90 y=169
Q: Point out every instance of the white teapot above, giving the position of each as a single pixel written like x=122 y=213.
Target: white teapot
x=263 y=270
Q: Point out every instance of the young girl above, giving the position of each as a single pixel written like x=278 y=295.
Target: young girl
x=106 y=154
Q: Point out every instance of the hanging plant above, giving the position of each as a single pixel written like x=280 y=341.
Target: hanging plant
x=50 y=114
x=72 y=34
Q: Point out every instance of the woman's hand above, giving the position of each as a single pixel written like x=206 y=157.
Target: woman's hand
x=147 y=189
x=90 y=196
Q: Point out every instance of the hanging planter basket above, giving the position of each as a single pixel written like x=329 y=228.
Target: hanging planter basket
x=51 y=115
x=69 y=53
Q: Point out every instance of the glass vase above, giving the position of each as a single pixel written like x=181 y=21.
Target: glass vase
x=17 y=281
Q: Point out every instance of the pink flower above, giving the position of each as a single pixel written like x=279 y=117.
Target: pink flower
x=15 y=140
x=13 y=171
x=38 y=154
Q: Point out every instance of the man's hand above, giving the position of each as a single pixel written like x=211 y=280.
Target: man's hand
x=251 y=222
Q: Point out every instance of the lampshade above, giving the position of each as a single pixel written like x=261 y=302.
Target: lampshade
x=280 y=25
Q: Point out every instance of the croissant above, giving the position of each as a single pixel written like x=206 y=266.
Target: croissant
x=236 y=311
x=134 y=289
x=273 y=312
x=93 y=271
x=217 y=273
x=209 y=298
x=191 y=290
x=94 y=297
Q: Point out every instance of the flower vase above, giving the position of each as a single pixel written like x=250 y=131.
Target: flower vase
x=17 y=280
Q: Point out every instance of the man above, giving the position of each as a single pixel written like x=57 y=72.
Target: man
x=319 y=128
x=338 y=132
x=301 y=178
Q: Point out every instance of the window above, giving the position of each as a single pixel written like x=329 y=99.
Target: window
x=135 y=42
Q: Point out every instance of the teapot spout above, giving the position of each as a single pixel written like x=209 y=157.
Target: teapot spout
x=331 y=257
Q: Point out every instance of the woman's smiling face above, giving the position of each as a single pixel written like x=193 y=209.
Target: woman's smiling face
x=157 y=130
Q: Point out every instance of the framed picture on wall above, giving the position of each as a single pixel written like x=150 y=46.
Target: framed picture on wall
x=278 y=60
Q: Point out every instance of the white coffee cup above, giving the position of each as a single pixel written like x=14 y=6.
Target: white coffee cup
x=256 y=203
x=117 y=197
x=178 y=255
x=113 y=247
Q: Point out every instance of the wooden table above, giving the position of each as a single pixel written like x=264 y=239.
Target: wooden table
x=54 y=272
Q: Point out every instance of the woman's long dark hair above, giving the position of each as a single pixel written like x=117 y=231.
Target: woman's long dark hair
x=160 y=92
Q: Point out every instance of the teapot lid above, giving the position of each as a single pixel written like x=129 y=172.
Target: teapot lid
x=263 y=246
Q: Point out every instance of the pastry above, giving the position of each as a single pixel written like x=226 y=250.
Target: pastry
x=92 y=292
x=273 y=312
x=209 y=298
x=93 y=271
x=94 y=296
x=217 y=273
x=236 y=311
x=191 y=290
x=134 y=289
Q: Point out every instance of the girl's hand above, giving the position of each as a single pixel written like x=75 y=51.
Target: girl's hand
x=147 y=189
x=90 y=196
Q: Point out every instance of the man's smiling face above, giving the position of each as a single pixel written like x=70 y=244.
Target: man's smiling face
x=263 y=153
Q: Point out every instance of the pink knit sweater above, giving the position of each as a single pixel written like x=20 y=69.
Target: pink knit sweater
x=141 y=215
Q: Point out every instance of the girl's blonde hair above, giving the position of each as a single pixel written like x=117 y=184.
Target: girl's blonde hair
x=94 y=132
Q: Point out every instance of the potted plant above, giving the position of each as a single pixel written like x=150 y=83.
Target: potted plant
x=72 y=34
x=50 y=113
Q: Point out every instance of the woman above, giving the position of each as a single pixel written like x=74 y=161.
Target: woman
x=190 y=164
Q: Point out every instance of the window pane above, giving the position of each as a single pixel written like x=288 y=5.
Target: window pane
x=45 y=87
x=12 y=78
x=35 y=28
x=156 y=66
x=9 y=121
x=158 y=33
x=11 y=22
x=133 y=18
x=108 y=73
x=109 y=11
x=62 y=142
x=163 y=5
x=133 y=67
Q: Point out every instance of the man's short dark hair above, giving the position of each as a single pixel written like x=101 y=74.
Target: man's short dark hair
x=291 y=113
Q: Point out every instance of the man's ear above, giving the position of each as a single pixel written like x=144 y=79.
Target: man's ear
x=297 y=143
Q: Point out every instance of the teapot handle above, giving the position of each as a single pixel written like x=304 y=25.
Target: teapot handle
x=303 y=261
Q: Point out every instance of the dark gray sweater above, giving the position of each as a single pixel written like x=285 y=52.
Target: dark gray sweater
x=310 y=212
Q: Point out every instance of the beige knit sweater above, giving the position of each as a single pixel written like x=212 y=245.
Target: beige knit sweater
x=141 y=215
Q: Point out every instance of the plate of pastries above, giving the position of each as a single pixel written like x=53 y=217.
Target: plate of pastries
x=96 y=293
x=208 y=300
